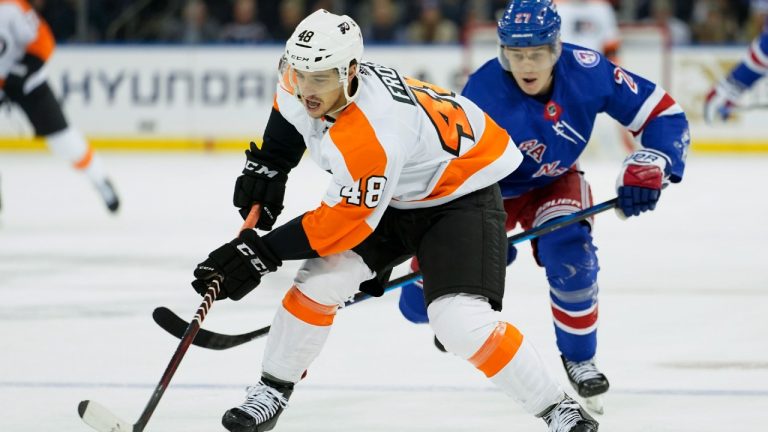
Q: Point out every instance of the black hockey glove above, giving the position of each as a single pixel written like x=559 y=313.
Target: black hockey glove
x=239 y=263
x=260 y=183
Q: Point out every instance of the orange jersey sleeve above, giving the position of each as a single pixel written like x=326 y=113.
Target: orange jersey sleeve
x=342 y=221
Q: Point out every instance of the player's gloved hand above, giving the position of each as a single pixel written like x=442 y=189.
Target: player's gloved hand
x=260 y=183
x=721 y=100
x=640 y=181
x=412 y=304
x=240 y=264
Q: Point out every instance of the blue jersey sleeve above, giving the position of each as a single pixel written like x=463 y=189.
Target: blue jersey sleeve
x=650 y=114
x=755 y=63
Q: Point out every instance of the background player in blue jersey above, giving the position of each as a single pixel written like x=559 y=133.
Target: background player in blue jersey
x=724 y=96
x=546 y=94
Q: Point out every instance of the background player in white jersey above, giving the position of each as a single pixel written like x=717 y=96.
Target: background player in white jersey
x=591 y=24
x=724 y=97
x=26 y=43
x=546 y=94
x=412 y=165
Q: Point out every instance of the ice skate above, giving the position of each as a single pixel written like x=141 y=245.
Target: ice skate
x=108 y=194
x=588 y=382
x=568 y=416
x=261 y=409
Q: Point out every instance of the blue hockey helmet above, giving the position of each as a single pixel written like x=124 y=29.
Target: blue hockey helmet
x=528 y=23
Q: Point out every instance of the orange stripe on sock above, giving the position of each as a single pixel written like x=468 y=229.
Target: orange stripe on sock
x=308 y=310
x=500 y=347
x=85 y=160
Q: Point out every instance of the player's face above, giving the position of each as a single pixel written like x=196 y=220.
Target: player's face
x=532 y=67
x=321 y=92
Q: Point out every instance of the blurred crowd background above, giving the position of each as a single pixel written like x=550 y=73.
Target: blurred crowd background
x=382 y=21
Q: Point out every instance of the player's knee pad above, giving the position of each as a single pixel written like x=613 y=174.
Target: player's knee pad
x=570 y=260
x=462 y=322
x=412 y=304
x=334 y=279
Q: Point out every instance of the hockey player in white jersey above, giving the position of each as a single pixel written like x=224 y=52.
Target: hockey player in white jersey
x=412 y=166
x=590 y=24
x=26 y=43
x=724 y=97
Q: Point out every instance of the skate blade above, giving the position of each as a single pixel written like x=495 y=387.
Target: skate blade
x=594 y=404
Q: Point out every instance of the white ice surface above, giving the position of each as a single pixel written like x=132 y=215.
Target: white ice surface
x=683 y=311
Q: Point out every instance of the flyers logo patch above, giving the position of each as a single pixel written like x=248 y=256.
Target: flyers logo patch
x=586 y=58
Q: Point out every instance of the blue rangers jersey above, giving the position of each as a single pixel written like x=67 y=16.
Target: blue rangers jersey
x=755 y=63
x=552 y=134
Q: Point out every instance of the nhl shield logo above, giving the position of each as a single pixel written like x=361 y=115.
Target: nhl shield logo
x=588 y=59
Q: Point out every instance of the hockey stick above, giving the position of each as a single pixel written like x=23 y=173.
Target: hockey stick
x=103 y=420
x=252 y=219
x=175 y=325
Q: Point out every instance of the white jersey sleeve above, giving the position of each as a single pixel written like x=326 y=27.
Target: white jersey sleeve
x=17 y=30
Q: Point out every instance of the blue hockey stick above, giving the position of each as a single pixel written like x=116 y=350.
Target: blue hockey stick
x=176 y=326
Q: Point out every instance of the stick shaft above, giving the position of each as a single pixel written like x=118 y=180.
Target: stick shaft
x=186 y=340
x=252 y=219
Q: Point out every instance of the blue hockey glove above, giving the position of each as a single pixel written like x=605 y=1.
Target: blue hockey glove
x=721 y=100
x=640 y=181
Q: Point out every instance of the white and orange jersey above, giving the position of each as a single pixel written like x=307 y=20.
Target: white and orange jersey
x=22 y=32
x=589 y=23
x=402 y=143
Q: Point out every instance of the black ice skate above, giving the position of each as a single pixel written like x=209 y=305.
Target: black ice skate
x=588 y=382
x=108 y=194
x=568 y=416
x=263 y=405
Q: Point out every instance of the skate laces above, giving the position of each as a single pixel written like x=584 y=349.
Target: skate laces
x=582 y=371
x=263 y=402
x=563 y=416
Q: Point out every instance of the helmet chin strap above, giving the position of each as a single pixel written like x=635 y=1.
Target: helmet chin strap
x=349 y=98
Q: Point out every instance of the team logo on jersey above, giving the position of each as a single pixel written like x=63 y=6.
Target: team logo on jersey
x=552 y=111
x=586 y=58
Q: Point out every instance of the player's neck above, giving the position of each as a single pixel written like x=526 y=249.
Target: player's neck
x=546 y=93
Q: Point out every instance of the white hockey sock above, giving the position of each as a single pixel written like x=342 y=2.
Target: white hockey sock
x=298 y=333
x=526 y=379
x=71 y=146
x=468 y=327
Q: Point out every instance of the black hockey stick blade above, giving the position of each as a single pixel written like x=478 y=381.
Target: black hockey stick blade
x=175 y=325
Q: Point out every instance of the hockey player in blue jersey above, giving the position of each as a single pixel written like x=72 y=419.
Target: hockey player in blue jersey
x=546 y=94
x=724 y=96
